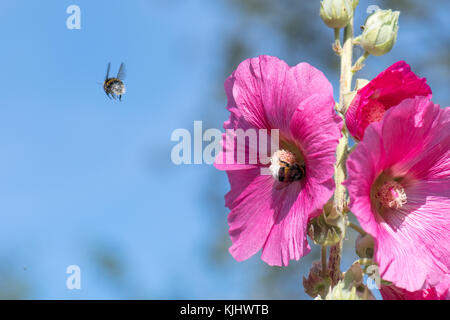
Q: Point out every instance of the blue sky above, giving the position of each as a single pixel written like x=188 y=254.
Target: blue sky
x=81 y=174
x=79 y=169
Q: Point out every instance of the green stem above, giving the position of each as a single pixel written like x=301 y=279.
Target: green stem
x=345 y=87
x=346 y=64
x=342 y=148
x=337 y=42
x=357 y=228
x=324 y=261
x=359 y=64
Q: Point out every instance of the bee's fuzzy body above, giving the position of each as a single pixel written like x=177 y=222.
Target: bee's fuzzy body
x=114 y=87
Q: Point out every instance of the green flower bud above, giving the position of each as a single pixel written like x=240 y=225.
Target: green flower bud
x=364 y=246
x=336 y=13
x=351 y=287
x=328 y=228
x=317 y=283
x=380 y=32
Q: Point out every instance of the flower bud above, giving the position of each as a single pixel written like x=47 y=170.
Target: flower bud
x=380 y=32
x=336 y=13
x=364 y=246
x=328 y=228
x=351 y=287
x=317 y=283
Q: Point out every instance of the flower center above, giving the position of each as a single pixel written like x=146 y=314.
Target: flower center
x=391 y=195
x=285 y=168
x=373 y=112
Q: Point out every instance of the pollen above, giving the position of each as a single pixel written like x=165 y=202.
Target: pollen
x=391 y=195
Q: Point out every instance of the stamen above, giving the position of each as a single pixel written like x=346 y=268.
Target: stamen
x=391 y=195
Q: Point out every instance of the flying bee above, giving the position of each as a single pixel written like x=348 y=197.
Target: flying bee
x=285 y=168
x=114 y=87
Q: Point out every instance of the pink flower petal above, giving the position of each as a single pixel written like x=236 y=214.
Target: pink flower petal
x=439 y=292
x=265 y=93
x=412 y=243
x=263 y=216
x=388 y=89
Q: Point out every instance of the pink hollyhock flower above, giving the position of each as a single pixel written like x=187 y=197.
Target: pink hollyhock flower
x=399 y=186
x=439 y=292
x=388 y=89
x=266 y=212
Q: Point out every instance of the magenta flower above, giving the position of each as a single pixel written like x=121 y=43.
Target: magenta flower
x=439 y=292
x=399 y=186
x=272 y=211
x=388 y=89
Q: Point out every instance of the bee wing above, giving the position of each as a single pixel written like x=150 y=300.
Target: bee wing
x=121 y=74
x=107 y=71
